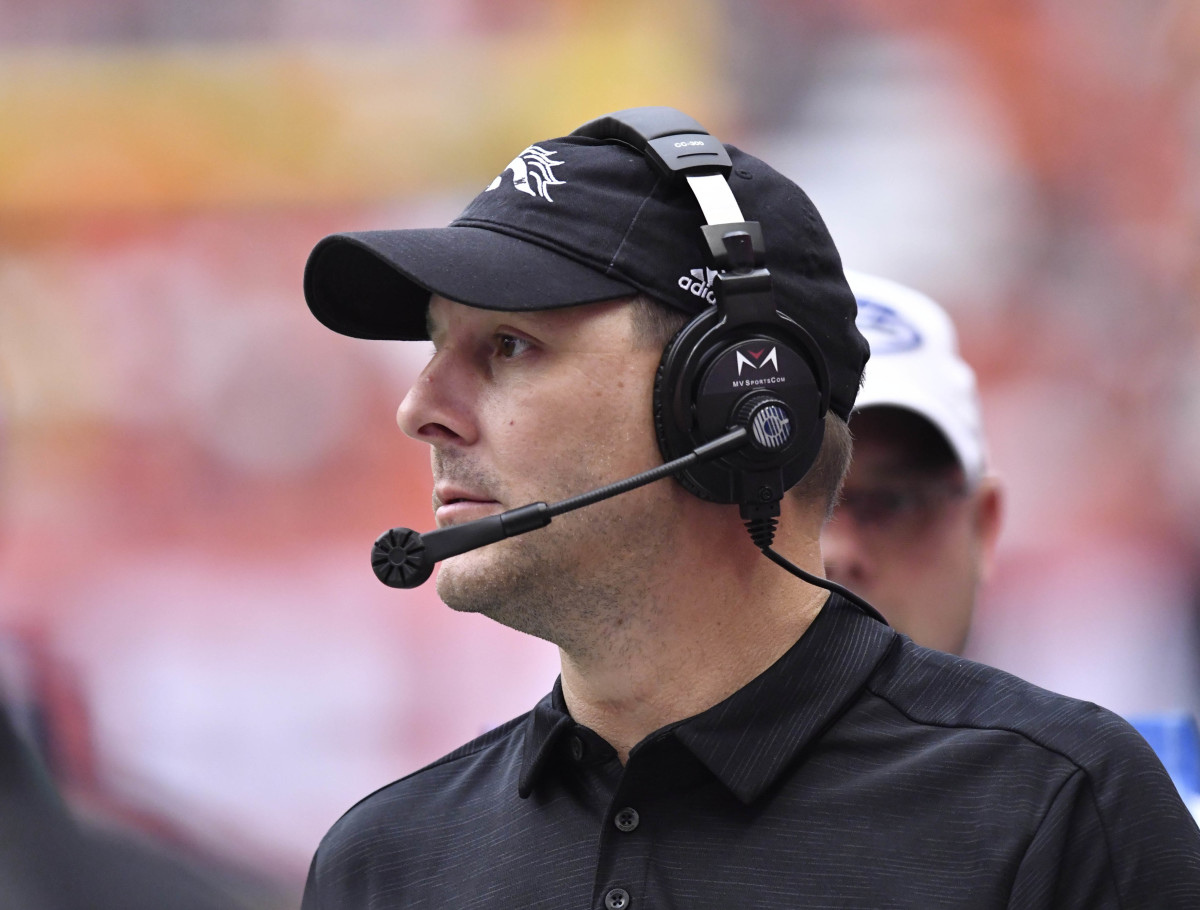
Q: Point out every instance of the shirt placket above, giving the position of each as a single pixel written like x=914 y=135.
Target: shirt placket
x=624 y=855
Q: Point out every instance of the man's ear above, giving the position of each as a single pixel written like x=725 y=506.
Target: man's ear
x=988 y=518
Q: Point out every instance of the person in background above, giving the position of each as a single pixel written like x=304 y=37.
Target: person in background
x=915 y=531
x=52 y=858
x=916 y=527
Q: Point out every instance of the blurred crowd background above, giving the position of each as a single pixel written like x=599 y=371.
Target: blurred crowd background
x=192 y=469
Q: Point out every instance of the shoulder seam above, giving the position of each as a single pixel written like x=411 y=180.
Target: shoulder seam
x=1108 y=852
x=476 y=745
x=1041 y=821
x=870 y=687
x=464 y=751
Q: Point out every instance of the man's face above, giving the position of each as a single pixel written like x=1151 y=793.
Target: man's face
x=909 y=536
x=539 y=406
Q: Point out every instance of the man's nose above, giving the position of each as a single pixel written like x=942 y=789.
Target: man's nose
x=437 y=408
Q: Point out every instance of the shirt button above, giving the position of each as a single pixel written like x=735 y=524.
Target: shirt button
x=576 y=747
x=616 y=899
x=627 y=819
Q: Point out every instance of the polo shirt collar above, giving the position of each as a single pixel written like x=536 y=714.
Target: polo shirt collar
x=544 y=728
x=747 y=740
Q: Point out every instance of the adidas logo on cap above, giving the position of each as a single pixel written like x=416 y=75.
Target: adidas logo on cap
x=700 y=284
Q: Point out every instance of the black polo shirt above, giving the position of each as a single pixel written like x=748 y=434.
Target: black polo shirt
x=859 y=771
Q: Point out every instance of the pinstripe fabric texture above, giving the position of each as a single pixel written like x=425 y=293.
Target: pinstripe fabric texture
x=860 y=771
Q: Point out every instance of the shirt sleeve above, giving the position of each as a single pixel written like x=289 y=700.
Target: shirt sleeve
x=1123 y=839
x=311 y=899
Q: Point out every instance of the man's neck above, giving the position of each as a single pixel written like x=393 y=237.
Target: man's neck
x=687 y=645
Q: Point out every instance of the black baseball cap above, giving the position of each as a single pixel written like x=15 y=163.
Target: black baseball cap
x=578 y=220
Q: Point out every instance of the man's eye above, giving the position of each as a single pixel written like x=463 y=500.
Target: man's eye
x=879 y=506
x=508 y=346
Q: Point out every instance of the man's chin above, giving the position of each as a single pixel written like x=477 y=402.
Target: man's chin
x=474 y=582
x=462 y=582
x=500 y=585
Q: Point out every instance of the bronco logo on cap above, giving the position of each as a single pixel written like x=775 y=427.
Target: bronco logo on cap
x=533 y=172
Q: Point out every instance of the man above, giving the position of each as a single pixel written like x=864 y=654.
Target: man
x=722 y=734
x=916 y=528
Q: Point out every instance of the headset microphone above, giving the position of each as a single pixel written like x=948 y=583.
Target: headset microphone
x=402 y=558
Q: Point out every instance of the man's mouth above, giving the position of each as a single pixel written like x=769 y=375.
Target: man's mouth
x=454 y=506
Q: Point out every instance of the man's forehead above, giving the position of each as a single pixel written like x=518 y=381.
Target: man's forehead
x=442 y=313
x=436 y=313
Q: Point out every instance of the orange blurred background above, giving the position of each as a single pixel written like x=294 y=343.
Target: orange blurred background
x=193 y=469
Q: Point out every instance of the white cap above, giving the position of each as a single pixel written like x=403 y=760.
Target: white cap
x=915 y=365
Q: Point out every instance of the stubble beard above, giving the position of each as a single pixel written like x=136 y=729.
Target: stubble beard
x=578 y=582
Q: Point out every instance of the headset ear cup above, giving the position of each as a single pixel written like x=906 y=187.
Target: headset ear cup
x=706 y=355
x=663 y=413
x=673 y=401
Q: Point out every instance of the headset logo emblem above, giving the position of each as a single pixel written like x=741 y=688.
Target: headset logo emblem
x=700 y=284
x=759 y=360
x=533 y=172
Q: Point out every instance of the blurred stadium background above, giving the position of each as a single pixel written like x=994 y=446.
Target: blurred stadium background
x=192 y=469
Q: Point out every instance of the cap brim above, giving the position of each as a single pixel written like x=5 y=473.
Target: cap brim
x=377 y=284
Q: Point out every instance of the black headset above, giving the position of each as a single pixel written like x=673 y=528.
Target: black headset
x=741 y=361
